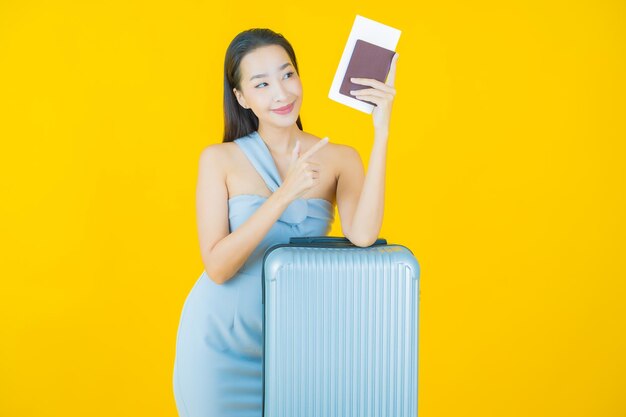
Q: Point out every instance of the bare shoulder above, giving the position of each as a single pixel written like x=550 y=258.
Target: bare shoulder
x=217 y=155
x=336 y=155
x=343 y=157
x=332 y=147
x=345 y=151
x=213 y=150
x=327 y=154
x=349 y=160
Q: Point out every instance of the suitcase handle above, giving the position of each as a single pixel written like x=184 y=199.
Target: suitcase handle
x=328 y=241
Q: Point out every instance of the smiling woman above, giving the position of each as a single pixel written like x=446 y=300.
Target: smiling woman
x=218 y=363
x=279 y=91
x=271 y=82
x=218 y=367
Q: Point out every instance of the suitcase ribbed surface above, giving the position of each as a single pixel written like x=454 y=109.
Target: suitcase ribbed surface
x=341 y=332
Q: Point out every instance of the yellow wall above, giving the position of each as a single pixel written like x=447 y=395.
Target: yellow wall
x=505 y=177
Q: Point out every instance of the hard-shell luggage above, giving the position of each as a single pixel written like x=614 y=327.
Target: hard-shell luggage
x=341 y=326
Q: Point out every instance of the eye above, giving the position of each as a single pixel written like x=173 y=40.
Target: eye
x=289 y=73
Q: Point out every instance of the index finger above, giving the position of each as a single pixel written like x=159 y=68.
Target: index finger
x=314 y=148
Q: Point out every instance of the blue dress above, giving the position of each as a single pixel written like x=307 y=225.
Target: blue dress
x=218 y=368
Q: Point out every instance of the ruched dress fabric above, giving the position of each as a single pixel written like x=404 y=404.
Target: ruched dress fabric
x=218 y=368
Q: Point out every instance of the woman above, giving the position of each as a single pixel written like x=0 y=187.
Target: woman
x=268 y=181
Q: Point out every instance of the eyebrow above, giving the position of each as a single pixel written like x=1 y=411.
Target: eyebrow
x=286 y=64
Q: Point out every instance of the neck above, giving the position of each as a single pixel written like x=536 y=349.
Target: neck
x=280 y=140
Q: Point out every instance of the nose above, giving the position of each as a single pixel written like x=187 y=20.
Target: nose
x=279 y=93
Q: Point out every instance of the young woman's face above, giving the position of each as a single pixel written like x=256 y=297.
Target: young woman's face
x=269 y=81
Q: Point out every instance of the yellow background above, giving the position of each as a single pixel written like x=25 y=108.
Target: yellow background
x=505 y=178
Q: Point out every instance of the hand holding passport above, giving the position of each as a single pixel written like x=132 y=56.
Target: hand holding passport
x=367 y=61
x=368 y=53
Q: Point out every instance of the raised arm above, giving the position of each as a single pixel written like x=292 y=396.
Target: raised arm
x=360 y=197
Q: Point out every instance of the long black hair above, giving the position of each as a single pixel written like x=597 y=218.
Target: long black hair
x=238 y=121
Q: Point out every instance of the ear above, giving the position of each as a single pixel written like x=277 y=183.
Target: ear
x=240 y=99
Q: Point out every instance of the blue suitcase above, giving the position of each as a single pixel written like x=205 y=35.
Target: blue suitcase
x=341 y=326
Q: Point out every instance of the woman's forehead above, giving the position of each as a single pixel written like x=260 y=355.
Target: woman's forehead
x=267 y=59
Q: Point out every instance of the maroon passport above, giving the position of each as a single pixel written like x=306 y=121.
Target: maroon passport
x=367 y=61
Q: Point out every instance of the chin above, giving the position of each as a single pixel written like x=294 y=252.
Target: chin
x=286 y=122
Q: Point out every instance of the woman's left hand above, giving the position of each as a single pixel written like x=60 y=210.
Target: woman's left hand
x=382 y=94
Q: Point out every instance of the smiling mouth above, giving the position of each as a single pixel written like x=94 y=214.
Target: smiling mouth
x=284 y=108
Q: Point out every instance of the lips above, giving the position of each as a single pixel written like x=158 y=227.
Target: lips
x=283 y=109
